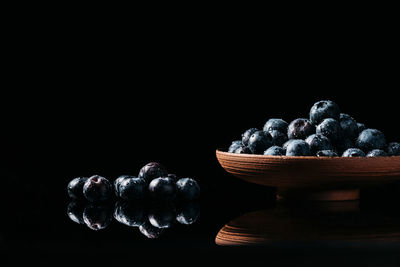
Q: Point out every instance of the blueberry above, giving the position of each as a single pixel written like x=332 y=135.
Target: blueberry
x=298 y=148
x=162 y=188
x=300 y=129
x=377 y=153
x=276 y=124
x=187 y=189
x=132 y=188
x=285 y=145
x=188 y=213
x=129 y=214
x=243 y=150
x=75 y=187
x=371 y=139
x=97 y=217
x=150 y=231
x=326 y=153
x=393 y=149
x=330 y=128
x=361 y=127
x=117 y=183
x=75 y=212
x=97 y=189
x=162 y=216
x=349 y=126
x=275 y=151
x=259 y=142
x=151 y=171
x=322 y=110
x=318 y=142
x=247 y=134
x=353 y=152
x=235 y=144
x=278 y=138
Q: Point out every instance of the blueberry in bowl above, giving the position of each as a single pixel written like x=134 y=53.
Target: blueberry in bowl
x=371 y=139
x=243 y=150
x=326 y=153
x=393 y=149
x=300 y=129
x=235 y=145
x=259 y=141
x=247 y=134
x=275 y=151
x=349 y=126
x=318 y=142
x=331 y=129
x=278 y=137
x=353 y=152
x=377 y=153
x=276 y=125
x=322 y=110
x=298 y=148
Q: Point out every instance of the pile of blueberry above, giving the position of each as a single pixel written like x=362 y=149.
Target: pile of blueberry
x=153 y=181
x=327 y=133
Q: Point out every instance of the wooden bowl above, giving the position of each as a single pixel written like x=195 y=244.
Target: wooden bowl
x=315 y=178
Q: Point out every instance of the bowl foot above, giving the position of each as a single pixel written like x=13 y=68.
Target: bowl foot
x=320 y=195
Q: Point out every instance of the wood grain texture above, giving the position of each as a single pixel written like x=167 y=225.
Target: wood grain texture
x=306 y=172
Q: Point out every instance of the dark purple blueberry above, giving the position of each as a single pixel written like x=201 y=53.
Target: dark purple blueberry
x=162 y=216
x=235 y=144
x=97 y=217
x=151 y=171
x=276 y=124
x=371 y=139
x=326 y=153
x=331 y=129
x=129 y=214
x=361 y=127
x=298 y=148
x=162 y=188
x=300 y=129
x=259 y=142
x=132 y=189
x=247 y=134
x=187 y=189
x=117 y=183
x=75 y=187
x=243 y=150
x=318 y=142
x=278 y=138
x=75 y=212
x=150 y=231
x=353 y=152
x=377 y=153
x=188 y=213
x=393 y=149
x=322 y=110
x=275 y=151
x=349 y=126
x=97 y=189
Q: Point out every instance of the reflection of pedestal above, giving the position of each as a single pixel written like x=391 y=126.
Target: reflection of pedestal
x=318 y=195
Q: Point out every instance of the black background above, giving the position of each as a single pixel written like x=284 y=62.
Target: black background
x=88 y=103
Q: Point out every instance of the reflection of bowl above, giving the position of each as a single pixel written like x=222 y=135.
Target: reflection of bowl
x=335 y=178
x=281 y=225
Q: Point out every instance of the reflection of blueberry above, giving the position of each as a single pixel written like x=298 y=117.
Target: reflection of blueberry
x=275 y=151
x=353 y=152
x=393 y=149
x=132 y=188
x=235 y=144
x=247 y=134
x=75 y=187
x=276 y=124
x=117 y=183
x=129 y=214
x=278 y=138
x=188 y=213
x=243 y=150
x=97 y=189
x=331 y=129
x=97 y=217
x=349 y=126
x=162 y=188
x=150 y=231
x=322 y=110
x=75 y=212
x=187 y=189
x=298 y=148
x=259 y=141
x=300 y=129
x=318 y=142
x=151 y=171
x=326 y=153
x=377 y=153
x=371 y=139
x=162 y=216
